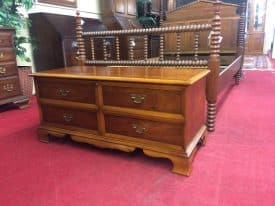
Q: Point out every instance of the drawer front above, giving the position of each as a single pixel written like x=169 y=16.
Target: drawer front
x=9 y=88
x=145 y=129
x=8 y=69
x=69 y=90
x=69 y=117
x=5 y=39
x=143 y=98
x=7 y=55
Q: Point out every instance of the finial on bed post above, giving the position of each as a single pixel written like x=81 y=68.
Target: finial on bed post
x=241 y=40
x=213 y=65
x=81 y=53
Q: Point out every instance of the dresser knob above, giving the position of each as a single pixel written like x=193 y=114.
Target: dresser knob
x=2 y=55
x=68 y=117
x=139 y=129
x=8 y=87
x=137 y=98
x=64 y=92
x=3 y=70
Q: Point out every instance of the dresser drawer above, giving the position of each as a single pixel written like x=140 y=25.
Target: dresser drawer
x=69 y=117
x=9 y=88
x=146 y=97
x=7 y=54
x=151 y=130
x=69 y=90
x=8 y=69
x=5 y=39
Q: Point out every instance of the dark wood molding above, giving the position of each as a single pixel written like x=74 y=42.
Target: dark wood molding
x=68 y=3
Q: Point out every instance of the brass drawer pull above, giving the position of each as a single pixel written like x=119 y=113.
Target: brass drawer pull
x=64 y=92
x=137 y=98
x=139 y=129
x=8 y=87
x=68 y=117
x=3 y=70
x=2 y=55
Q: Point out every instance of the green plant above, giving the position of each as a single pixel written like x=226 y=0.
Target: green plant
x=12 y=16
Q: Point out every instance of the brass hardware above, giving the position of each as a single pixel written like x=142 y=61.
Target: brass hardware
x=67 y=117
x=2 y=55
x=137 y=98
x=64 y=92
x=3 y=70
x=139 y=129
x=8 y=87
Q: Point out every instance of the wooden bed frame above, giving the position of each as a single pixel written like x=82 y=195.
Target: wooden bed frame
x=231 y=49
x=217 y=79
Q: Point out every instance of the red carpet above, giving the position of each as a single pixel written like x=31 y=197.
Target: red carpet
x=235 y=168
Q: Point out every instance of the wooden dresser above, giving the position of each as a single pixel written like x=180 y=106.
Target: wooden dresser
x=160 y=110
x=10 y=91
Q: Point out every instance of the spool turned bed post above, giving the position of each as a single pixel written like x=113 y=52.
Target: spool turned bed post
x=161 y=38
x=81 y=53
x=241 y=40
x=214 y=66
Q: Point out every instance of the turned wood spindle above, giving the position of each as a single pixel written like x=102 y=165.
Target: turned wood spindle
x=241 y=41
x=211 y=116
x=117 y=49
x=145 y=38
x=80 y=40
x=214 y=66
x=131 y=48
x=241 y=33
x=93 y=48
x=161 y=47
x=196 y=46
x=161 y=43
x=104 y=49
x=161 y=13
x=178 y=46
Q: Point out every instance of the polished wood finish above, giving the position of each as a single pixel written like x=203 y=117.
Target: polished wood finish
x=126 y=108
x=256 y=28
x=141 y=50
x=143 y=97
x=62 y=89
x=228 y=23
x=154 y=75
x=121 y=15
x=10 y=90
x=225 y=76
x=214 y=39
x=201 y=12
x=214 y=65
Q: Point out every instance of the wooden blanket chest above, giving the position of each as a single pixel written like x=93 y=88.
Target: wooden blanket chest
x=159 y=110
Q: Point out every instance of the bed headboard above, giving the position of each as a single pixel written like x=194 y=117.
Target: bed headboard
x=197 y=29
x=200 y=12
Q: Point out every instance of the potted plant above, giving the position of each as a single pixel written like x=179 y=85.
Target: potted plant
x=13 y=14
